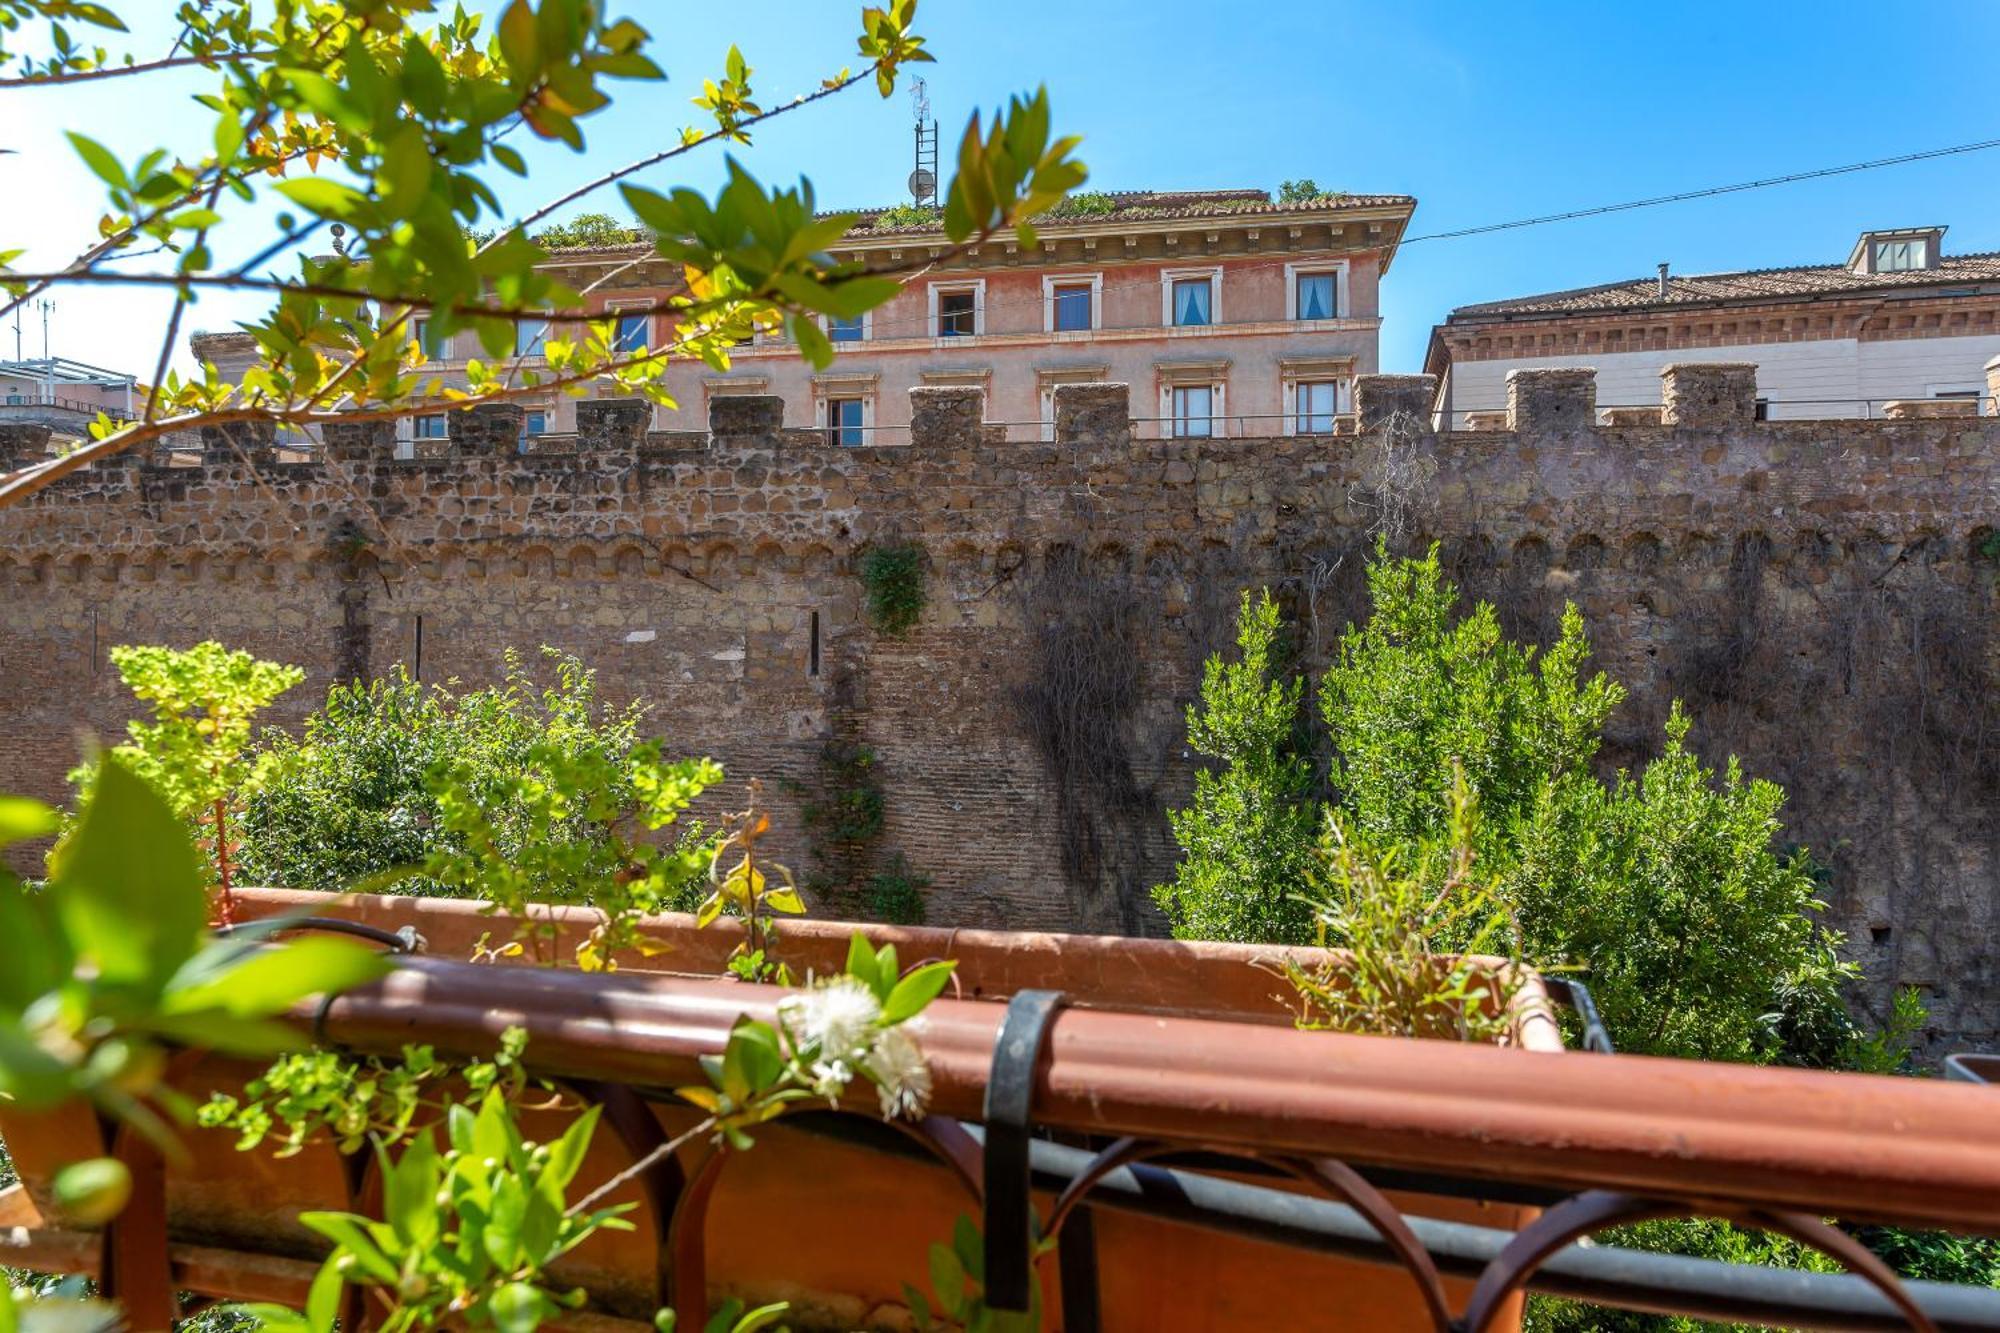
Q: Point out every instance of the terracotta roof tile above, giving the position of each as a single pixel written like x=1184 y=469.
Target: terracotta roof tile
x=1750 y=285
x=1126 y=206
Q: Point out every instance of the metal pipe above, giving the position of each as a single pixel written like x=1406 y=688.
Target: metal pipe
x=1600 y=1274
x=1863 y=1147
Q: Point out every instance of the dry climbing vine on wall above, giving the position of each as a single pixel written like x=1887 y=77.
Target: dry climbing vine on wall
x=1077 y=703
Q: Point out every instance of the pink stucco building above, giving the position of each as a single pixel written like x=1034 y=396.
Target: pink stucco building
x=1227 y=313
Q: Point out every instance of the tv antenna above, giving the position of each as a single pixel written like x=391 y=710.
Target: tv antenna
x=923 y=180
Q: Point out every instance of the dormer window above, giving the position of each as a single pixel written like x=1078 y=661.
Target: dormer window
x=1899 y=256
x=1901 y=250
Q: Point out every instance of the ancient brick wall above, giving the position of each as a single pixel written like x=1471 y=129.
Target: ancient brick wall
x=1821 y=593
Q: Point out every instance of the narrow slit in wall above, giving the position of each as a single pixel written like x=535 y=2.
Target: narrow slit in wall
x=812 y=646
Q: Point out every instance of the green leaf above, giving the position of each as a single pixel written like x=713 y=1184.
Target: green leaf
x=920 y=1309
x=328 y=199
x=266 y=1318
x=916 y=990
x=786 y=901
x=885 y=971
x=762 y=1317
x=38 y=957
x=566 y=1154
x=21 y=819
x=127 y=883
x=102 y=162
x=501 y=1237
x=947 y=1279
x=409 y=1191
x=350 y=1233
x=275 y=978
x=861 y=960
x=969 y=1246
x=519 y=1307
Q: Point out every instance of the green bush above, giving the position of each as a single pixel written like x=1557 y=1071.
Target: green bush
x=355 y=794
x=1694 y=933
x=1247 y=837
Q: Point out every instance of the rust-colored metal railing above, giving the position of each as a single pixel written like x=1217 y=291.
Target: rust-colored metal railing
x=1599 y=1140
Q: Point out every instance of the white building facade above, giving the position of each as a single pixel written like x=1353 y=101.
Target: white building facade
x=1899 y=321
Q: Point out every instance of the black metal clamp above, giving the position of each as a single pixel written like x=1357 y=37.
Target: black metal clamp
x=1010 y=1095
x=1575 y=996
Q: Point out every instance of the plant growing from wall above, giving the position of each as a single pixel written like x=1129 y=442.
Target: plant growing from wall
x=843 y=811
x=1079 y=690
x=893 y=577
x=193 y=752
x=895 y=893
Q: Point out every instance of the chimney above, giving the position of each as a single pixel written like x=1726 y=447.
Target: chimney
x=1663 y=282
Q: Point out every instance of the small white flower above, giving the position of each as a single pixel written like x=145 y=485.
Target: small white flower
x=834 y=1021
x=831 y=1077
x=902 y=1078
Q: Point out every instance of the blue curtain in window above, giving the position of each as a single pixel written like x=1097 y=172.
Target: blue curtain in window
x=1191 y=302
x=1316 y=296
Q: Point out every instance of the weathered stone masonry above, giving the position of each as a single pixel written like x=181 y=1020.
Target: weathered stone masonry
x=1822 y=593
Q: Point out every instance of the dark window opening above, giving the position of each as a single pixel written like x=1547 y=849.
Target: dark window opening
x=845 y=424
x=812 y=646
x=1762 y=411
x=958 y=314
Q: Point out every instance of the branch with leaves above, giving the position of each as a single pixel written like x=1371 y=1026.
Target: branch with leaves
x=368 y=118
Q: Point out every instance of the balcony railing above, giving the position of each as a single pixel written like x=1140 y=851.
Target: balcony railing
x=1049 y=1110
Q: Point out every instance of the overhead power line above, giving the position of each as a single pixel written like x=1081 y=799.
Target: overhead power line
x=1705 y=194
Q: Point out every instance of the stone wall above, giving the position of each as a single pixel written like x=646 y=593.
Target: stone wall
x=1821 y=593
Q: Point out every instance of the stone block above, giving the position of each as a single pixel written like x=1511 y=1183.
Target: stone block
x=946 y=416
x=733 y=414
x=1631 y=416
x=611 y=425
x=359 y=441
x=1380 y=397
x=22 y=443
x=1095 y=414
x=1929 y=409
x=1708 y=393
x=235 y=441
x=1494 y=420
x=491 y=430
x=1560 y=399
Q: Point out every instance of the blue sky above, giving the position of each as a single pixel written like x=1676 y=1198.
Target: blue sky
x=1485 y=112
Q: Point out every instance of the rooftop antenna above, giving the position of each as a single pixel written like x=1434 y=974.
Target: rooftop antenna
x=923 y=180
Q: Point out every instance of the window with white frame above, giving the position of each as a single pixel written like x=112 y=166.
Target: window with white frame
x=430 y=427
x=1315 y=291
x=848 y=330
x=436 y=346
x=846 y=422
x=533 y=423
x=958 y=309
x=1192 y=410
x=529 y=337
x=1072 y=302
x=634 y=331
x=1315 y=403
x=1899 y=256
x=1190 y=297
